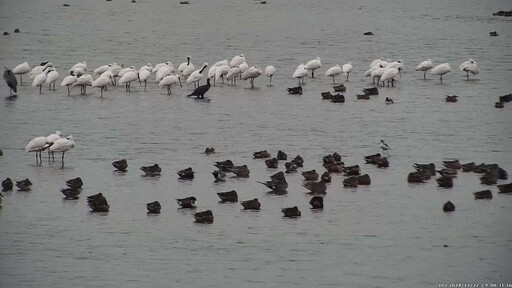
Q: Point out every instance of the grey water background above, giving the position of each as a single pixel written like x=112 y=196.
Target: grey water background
x=389 y=234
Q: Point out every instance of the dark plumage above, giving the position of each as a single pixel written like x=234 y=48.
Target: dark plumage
x=154 y=170
x=154 y=207
x=290 y=167
x=389 y=101
x=371 y=91
x=281 y=156
x=490 y=178
x=10 y=80
x=186 y=174
x=261 y=154
x=311 y=175
x=370 y=159
x=350 y=182
x=484 y=194
x=505 y=188
x=98 y=203
x=447 y=172
x=431 y=167
x=224 y=165
x=7 y=184
x=188 y=202
x=416 y=177
x=298 y=161
x=219 y=175
x=230 y=196
x=382 y=162
x=316 y=187
x=352 y=170
x=326 y=95
x=253 y=204
x=451 y=98
x=445 y=181
x=75 y=183
x=24 y=185
x=201 y=90
x=339 y=88
x=291 y=212
x=210 y=150
x=448 y=207
x=240 y=171
x=326 y=177
x=363 y=96
x=204 y=217
x=120 y=165
x=276 y=185
x=363 y=179
x=452 y=164
x=338 y=98
x=468 y=167
x=499 y=105
x=70 y=193
x=272 y=163
x=317 y=202
x=295 y=90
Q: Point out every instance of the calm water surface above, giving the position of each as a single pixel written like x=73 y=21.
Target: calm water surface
x=389 y=234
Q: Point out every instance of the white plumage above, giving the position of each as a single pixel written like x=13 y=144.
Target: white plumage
x=40 y=79
x=441 y=70
x=300 y=73
x=424 y=66
x=469 y=66
x=168 y=81
x=389 y=74
x=313 y=65
x=51 y=78
x=252 y=73
x=195 y=76
x=333 y=72
x=36 y=145
x=21 y=69
x=237 y=60
x=347 y=68
x=270 y=71
x=63 y=145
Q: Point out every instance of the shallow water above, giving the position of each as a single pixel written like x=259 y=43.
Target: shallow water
x=389 y=234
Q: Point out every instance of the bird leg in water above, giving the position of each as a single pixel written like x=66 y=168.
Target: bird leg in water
x=63 y=159
x=425 y=75
x=145 y=82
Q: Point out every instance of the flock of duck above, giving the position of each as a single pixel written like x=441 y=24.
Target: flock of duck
x=316 y=183
x=166 y=75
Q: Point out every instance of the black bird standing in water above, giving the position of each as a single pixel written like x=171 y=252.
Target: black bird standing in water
x=201 y=90
x=10 y=80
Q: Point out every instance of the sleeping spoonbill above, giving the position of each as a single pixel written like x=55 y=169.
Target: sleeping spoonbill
x=221 y=63
x=21 y=69
x=144 y=74
x=100 y=70
x=115 y=69
x=10 y=80
x=469 y=66
x=51 y=78
x=333 y=72
x=211 y=73
x=40 y=79
x=195 y=76
x=37 y=145
x=313 y=65
x=424 y=66
x=377 y=73
x=347 y=68
x=63 y=145
x=243 y=66
x=168 y=81
x=83 y=81
x=102 y=83
x=50 y=139
x=124 y=70
x=252 y=73
x=232 y=74
x=38 y=70
x=183 y=65
x=220 y=72
x=163 y=71
x=269 y=71
x=300 y=73
x=69 y=80
x=128 y=78
x=236 y=60
x=440 y=70
x=389 y=75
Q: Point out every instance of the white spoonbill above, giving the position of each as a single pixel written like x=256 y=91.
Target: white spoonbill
x=196 y=76
x=183 y=65
x=51 y=78
x=347 y=68
x=236 y=60
x=389 y=75
x=21 y=69
x=252 y=73
x=163 y=71
x=469 y=66
x=144 y=74
x=221 y=72
x=50 y=139
x=124 y=70
x=424 y=66
x=270 y=71
x=128 y=78
x=40 y=79
x=82 y=65
x=102 y=83
x=148 y=67
x=221 y=63
x=83 y=81
x=37 y=145
x=186 y=68
x=376 y=62
x=69 y=80
x=313 y=65
x=38 y=69
x=333 y=72
x=168 y=81
x=100 y=70
x=115 y=69
x=63 y=145
x=243 y=66
x=232 y=74
x=440 y=70
x=157 y=66
x=300 y=73
x=377 y=73
x=211 y=73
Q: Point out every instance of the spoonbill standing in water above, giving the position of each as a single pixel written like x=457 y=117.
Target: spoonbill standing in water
x=128 y=78
x=144 y=73
x=69 y=80
x=232 y=74
x=39 y=69
x=168 y=81
x=252 y=73
x=424 y=66
x=63 y=145
x=196 y=76
x=83 y=81
x=333 y=72
x=237 y=60
x=41 y=78
x=300 y=73
x=440 y=70
x=51 y=78
x=269 y=71
x=347 y=68
x=37 y=145
x=10 y=80
x=50 y=139
x=102 y=83
x=469 y=66
x=313 y=65
x=21 y=69
x=221 y=72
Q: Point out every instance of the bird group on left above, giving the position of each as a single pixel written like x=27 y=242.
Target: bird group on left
x=52 y=143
